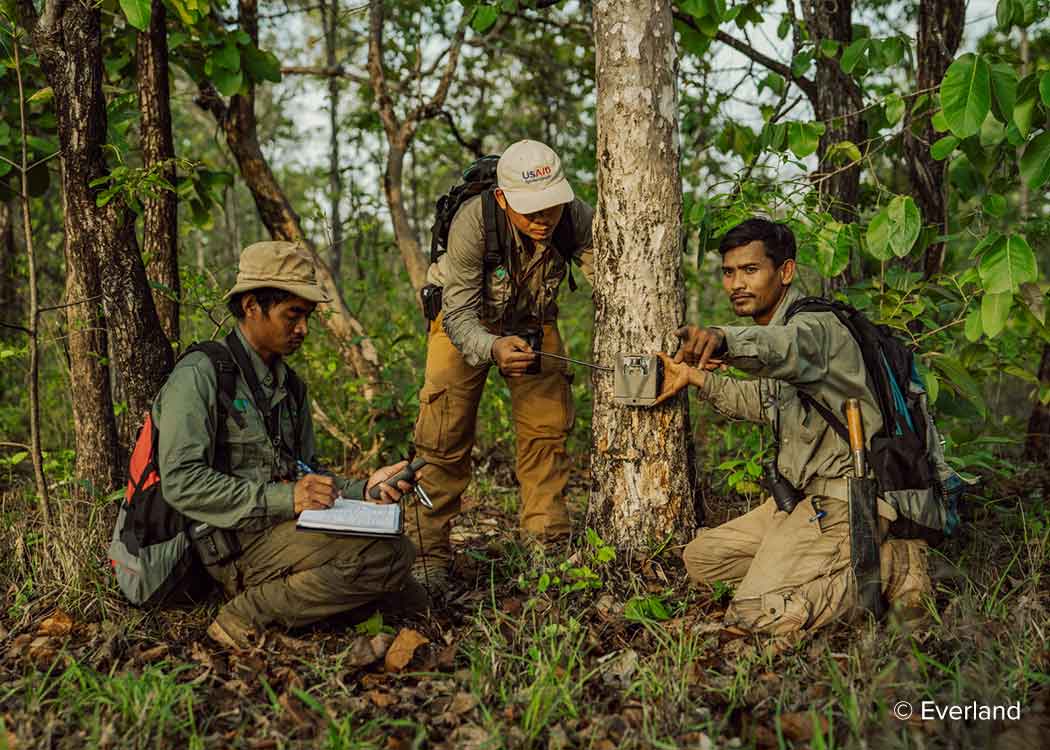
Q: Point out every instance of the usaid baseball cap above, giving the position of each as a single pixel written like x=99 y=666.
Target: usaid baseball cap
x=530 y=176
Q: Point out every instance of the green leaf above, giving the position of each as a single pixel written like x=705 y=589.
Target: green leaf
x=972 y=327
x=1004 y=13
x=227 y=82
x=1004 y=90
x=894 y=108
x=484 y=17
x=844 y=151
x=1025 y=102
x=692 y=40
x=904 y=216
x=831 y=249
x=960 y=379
x=994 y=204
x=800 y=63
x=45 y=94
x=933 y=387
x=137 y=12
x=261 y=65
x=1009 y=263
x=804 y=137
x=829 y=47
x=1035 y=299
x=943 y=147
x=878 y=236
x=1035 y=163
x=228 y=56
x=995 y=310
x=966 y=94
x=1044 y=88
x=853 y=55
x=940 y=124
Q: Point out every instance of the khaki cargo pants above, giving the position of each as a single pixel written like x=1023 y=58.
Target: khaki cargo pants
x=543 y=414
x=297 y=577
x=793 y=571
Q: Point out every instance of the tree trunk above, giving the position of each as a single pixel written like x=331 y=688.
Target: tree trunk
x=68 y=42
x=837 y=104
x=940 y=31
x=1037 y=444
x=640 y=464
x=275 y=210
x=330 y=16
x=160 y=223
x=393 y=178
x=94 y=426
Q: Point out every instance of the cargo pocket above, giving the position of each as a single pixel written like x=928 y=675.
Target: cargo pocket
x=432 y=422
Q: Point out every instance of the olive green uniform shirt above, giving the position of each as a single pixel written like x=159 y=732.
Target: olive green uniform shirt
x=253 y=496
x=813 y=353
x=478 y=306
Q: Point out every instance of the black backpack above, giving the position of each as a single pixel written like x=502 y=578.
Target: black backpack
x=906 y=455
x=480 y=179
x=152 y=550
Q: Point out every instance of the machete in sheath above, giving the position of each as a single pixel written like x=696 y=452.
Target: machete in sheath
x=863 y=518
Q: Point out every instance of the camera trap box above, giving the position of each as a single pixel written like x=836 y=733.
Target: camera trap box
x=637 y=379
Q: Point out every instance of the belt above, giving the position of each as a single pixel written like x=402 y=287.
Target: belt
x=836 y=487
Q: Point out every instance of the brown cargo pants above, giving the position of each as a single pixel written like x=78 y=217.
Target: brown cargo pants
x=297 y=577
x=793 y=571
x=543 y=414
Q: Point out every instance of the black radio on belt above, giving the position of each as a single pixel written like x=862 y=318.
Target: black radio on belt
x=430 y=295
x=785 y=494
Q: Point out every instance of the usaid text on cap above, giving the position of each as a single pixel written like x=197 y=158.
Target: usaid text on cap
x=535 y=174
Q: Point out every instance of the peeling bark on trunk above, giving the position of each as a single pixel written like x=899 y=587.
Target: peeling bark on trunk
x=160 y=223
x=238 y=123
x=1037 y=444
x=940 y=32
x=640 y=462
x=99 y=240
x=330 y=17
x=837 y=104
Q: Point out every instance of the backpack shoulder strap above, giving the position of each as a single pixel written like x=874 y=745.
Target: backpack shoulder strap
x=226 y=379
x=297 y=390
x=496 y=238
x=564 y=239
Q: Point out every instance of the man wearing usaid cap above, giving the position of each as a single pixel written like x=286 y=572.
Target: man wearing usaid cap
x=495 y=306
x=272 y=572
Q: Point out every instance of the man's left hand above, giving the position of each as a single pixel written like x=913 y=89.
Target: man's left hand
x=387 y=493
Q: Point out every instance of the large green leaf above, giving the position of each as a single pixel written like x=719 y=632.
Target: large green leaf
x=853 y=55
x=972 y=327
x=832 y=249
x=1004 y=90
x=1044 y=88
x=484 y=17
x=261 y=65
x=1009 y=263
x=1025 y=103
x=804 y=137
x=943 y=147
x=894 y=108
x=1035 y=163
x=906 y=220
x=961 y=381
x=137 y=12
x=226 y=81
x=995 y=310
x=966 y=94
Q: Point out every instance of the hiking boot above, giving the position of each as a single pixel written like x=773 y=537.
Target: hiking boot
x=434 y=575
x=231 y=632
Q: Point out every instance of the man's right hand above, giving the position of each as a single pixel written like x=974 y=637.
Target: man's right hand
x=313 y=492
x=513 y=355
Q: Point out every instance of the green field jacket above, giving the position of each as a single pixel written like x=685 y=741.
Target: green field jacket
x=253 y=496
x=813 y=353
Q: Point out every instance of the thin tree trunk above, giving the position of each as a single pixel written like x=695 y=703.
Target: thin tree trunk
x=330 y=15
x=101 y=239
x=640 y=465
x=275 y=210
x=837 y=104
x=160 y=223
x=941 y=25
x=34 y=307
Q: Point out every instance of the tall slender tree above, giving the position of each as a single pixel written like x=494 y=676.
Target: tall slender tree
x=640 y=462
x=160 y=230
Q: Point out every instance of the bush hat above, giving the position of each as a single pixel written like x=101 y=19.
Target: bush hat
x=530 y=175
x=281 y=265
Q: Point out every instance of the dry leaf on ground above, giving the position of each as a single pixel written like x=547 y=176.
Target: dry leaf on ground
x=381 y=699
x=798 y=727
x=58 y=625
x=403 y=648
x=381 y=644
x=462 y=703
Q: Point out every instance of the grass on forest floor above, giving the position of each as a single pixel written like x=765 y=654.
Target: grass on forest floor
x=592 y=648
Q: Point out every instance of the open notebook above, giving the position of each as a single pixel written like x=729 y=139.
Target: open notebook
x=354 y=517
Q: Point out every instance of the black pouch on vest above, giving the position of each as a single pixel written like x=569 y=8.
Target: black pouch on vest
x=430 y=295
x=214 y=546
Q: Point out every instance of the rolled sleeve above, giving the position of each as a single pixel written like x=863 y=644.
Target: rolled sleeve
x=796 y=352
x=462 y=296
